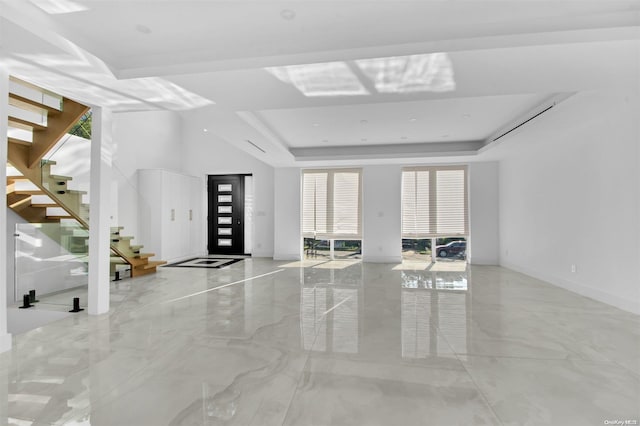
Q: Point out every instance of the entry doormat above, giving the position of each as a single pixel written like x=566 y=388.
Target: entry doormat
x=206 y=262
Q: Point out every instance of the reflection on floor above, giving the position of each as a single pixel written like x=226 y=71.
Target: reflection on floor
x=317 y=342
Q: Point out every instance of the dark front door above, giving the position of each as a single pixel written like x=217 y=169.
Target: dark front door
x=226 y=214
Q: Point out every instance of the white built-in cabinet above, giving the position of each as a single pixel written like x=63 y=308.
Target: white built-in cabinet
x=170 y=214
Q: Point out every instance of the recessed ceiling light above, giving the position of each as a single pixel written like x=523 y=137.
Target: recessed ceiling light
x=413 y=120
x=288 y=14
x=364 y=121
x=205 y=130
x=143 y=29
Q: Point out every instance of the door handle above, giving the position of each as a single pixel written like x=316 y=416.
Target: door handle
x=238 y=221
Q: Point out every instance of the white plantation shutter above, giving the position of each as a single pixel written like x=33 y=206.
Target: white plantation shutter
x=331 y=203
x=314 y=203
x=434 y=202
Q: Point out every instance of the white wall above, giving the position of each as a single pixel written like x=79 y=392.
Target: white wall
x=206 y=154
x=382 y=214
x=287 y=213
x=142 y=140
x=12 y=220
x=483 y=213
x=569 y=191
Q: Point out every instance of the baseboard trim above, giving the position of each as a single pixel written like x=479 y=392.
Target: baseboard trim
x=632 y=306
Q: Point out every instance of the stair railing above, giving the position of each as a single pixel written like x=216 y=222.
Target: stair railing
x=49 y=258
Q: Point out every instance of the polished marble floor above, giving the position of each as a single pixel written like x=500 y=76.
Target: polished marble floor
x=329 y=343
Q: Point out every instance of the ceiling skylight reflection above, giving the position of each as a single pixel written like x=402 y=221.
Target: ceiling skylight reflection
x=325 y=79
x=101 y=88
x=57 y=7
x=431 y=72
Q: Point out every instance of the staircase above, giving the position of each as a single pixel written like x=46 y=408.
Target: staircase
x=38 y=120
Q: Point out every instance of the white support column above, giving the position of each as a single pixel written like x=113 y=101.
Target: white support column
x=99 y=192
x=434 y=255
x=5 y=337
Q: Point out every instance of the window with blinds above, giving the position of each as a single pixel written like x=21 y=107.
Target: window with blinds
x=434 y=202
x=332 y=203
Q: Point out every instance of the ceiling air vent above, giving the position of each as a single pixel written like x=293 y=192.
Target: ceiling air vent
x=256 y=146
x=524 y=122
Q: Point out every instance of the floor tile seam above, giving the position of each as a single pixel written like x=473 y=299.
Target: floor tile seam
x=35 y=422
x=543 y=311
x=484 y=397
x=576 y=357
x=513 y=340
x=475 y=384
x=402 y=364
x=107 y=398
x=634 y=373
x=301 y=374
x=551 y=360
x=249 y=338
x=100 y=401
x=572 y=314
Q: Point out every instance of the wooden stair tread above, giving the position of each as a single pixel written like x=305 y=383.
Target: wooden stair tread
x=71 y=191
x=60 y=177
x=153 y=264
x=46 y=205
x=14 y=199
x=16 y=178
x=29 y=192
x=18 y=141
x=144 y=255
x=59 y=217
x=25 y=124
x=18 y=201
x=30 y=104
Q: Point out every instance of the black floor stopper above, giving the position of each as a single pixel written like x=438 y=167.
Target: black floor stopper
x=25 y=302
x=76 y=305
x=117 y=278
x=32 y=296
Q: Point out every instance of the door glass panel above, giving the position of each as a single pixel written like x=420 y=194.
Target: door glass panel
x=224 y=187
x=224 y=209
x=224 y=198
x=224 y=242
x=224 y=231
x=224 y=221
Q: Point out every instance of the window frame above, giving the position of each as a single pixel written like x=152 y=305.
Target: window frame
x=432 y=203
x=330 y=233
